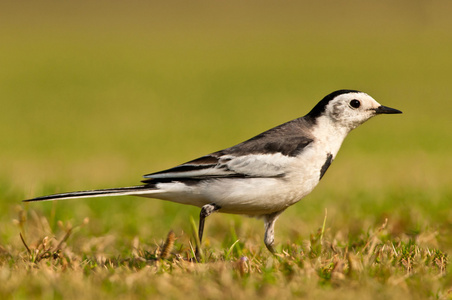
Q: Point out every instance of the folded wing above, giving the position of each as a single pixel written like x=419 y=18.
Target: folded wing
x=262 y=156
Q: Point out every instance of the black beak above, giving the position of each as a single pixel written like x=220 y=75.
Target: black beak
x=387 y=110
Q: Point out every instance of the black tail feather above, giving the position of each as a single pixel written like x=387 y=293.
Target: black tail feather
x=95 y=193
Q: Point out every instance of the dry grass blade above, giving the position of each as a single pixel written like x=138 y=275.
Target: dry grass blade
x=372 y=238
x=64 y=239
x=25 y=244
x=168 y=246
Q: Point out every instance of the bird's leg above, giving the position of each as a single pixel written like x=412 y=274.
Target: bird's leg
x=206 y=211
x=269 y=237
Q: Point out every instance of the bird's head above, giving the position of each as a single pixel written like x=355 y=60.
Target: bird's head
x=349 y=108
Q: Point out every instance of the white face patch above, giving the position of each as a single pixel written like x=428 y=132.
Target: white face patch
x=351 y=109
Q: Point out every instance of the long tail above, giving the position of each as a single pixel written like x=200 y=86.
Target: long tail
x=133 y=190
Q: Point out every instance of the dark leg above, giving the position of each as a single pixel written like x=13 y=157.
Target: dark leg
x=269 y=238
x=206 y=211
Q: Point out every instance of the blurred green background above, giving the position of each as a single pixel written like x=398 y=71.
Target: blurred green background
x=94 y=94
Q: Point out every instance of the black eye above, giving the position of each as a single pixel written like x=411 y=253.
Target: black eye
x=355 y=103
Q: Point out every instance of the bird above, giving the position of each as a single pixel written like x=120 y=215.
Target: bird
x=262 y=176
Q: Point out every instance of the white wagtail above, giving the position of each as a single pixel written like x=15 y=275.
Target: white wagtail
x=264 y=175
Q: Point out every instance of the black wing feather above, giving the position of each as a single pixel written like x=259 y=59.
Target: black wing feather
x=288 y=139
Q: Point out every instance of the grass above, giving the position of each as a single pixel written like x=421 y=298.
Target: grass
x=381 y=261
x=96 y=95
